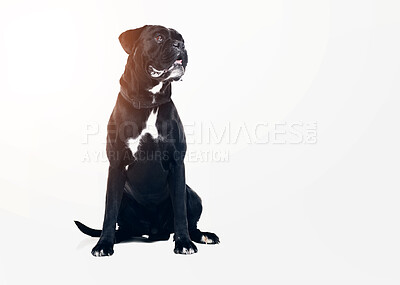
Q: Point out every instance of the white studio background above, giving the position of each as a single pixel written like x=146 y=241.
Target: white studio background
x=288 y=211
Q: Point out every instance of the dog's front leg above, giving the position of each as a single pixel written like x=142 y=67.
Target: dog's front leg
x=115 y=188
x=177 y=186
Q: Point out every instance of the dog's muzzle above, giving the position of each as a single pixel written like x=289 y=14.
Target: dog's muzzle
x=176 y=70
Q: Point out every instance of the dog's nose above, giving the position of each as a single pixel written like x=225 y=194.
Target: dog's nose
x=178 y=44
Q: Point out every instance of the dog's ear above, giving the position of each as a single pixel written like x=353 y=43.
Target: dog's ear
x=128 y=39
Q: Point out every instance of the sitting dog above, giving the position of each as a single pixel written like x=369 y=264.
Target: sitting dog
x=146 y=190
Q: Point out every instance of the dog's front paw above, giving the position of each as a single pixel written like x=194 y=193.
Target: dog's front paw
x=183 y=245
x=103 y=249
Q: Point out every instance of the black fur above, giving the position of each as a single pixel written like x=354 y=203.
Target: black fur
x=146 y=191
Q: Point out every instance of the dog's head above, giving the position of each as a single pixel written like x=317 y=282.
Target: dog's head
x=158 y=51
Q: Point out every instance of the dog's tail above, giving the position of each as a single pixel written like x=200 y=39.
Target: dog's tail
x=88 y=231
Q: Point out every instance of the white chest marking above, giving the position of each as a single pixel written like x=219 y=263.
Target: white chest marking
x=151 y=128
x=156 y=88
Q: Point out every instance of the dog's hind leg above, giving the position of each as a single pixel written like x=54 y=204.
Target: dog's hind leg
x=194 y=208
x=131 y=220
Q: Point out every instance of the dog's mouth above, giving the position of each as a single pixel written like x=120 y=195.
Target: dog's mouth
x=174 y=71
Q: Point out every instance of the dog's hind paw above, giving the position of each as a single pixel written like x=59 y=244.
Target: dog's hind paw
x=103 y=249
x=203 y=237
x=184 y=246
x=209 y=238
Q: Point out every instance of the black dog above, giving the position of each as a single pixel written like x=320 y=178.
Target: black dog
x=146 y=190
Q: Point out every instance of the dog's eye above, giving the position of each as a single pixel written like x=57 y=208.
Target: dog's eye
x=159 y=39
